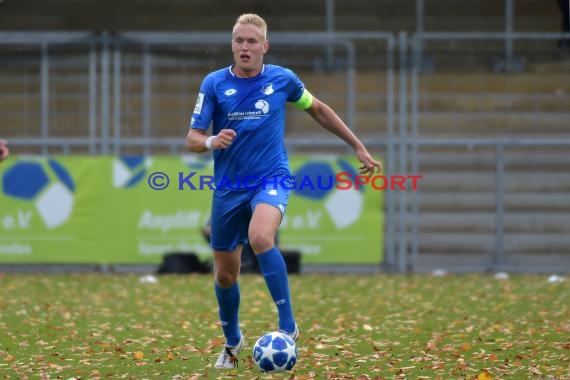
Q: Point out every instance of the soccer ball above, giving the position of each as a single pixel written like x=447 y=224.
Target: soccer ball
x=46 y=184
x=129 y=170
x=274 y=352
x=342 y=206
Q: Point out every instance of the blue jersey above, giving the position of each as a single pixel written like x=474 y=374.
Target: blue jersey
x=255 y=109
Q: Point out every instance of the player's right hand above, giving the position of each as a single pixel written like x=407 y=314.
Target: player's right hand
x=4 y=151
x=224 y=139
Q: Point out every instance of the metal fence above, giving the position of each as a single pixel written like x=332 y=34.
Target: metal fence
x=101 y=94
x=489 y=128
x=111 y=92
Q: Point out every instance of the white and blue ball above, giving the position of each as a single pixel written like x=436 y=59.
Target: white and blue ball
x=274 y=352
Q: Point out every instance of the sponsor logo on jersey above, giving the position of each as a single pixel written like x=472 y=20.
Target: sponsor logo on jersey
x=261 y=110
x=199 y=102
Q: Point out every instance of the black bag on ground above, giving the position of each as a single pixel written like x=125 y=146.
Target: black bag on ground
x=249 y=263
x=292 y=261
x=182 y=263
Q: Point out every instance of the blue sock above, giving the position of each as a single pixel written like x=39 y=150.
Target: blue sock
x=228 y=303
x=274 y=270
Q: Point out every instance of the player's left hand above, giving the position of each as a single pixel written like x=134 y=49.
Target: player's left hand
x=224 y=139
x=369 y=165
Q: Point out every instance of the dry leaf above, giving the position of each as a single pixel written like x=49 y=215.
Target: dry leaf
x=431 y=346
x=139 y=355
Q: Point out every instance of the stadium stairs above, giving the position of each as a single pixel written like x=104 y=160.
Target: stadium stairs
x=208 y=15
x=456 y=224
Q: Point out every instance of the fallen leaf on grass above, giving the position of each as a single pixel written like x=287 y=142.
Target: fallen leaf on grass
x=138 y=355
x=534 y=371
x=431 y=346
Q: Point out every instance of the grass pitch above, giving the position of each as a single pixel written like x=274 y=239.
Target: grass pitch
x=361 y=327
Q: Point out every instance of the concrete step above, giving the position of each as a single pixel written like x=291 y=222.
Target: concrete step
x=19 y=102
x=513 y=182
x=494 y=83
x=484 y=201
x=431 y=242
x=484 y=160
x=442 y=15
x=556 y=101
x=484 y=222
x=452 y=124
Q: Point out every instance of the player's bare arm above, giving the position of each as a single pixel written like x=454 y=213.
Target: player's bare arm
x=4 y=151
x=198 y=141
x=326 y=117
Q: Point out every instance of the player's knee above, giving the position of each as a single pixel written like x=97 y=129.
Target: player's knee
x=225 y=279
x=260 y=242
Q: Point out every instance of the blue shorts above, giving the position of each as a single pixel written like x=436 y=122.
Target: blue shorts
x=232 y=211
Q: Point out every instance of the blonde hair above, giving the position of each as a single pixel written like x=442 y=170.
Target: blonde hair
x=253 y=19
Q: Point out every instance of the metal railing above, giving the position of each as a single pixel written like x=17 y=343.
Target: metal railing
x=413 y=136
x=408 y=212
x=106 y=67
x=105 y=70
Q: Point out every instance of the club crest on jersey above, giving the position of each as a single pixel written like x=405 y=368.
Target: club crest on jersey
x=267 y=89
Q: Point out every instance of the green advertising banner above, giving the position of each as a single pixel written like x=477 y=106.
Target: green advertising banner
x=329 y=224
x=134 y=209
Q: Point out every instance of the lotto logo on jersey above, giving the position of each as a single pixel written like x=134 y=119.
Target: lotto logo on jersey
x=199 y=102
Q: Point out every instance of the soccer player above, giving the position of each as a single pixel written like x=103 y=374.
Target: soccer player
x=4 y=151
x=245 y=103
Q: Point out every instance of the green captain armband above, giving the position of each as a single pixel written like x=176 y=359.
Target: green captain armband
x=305 y=101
